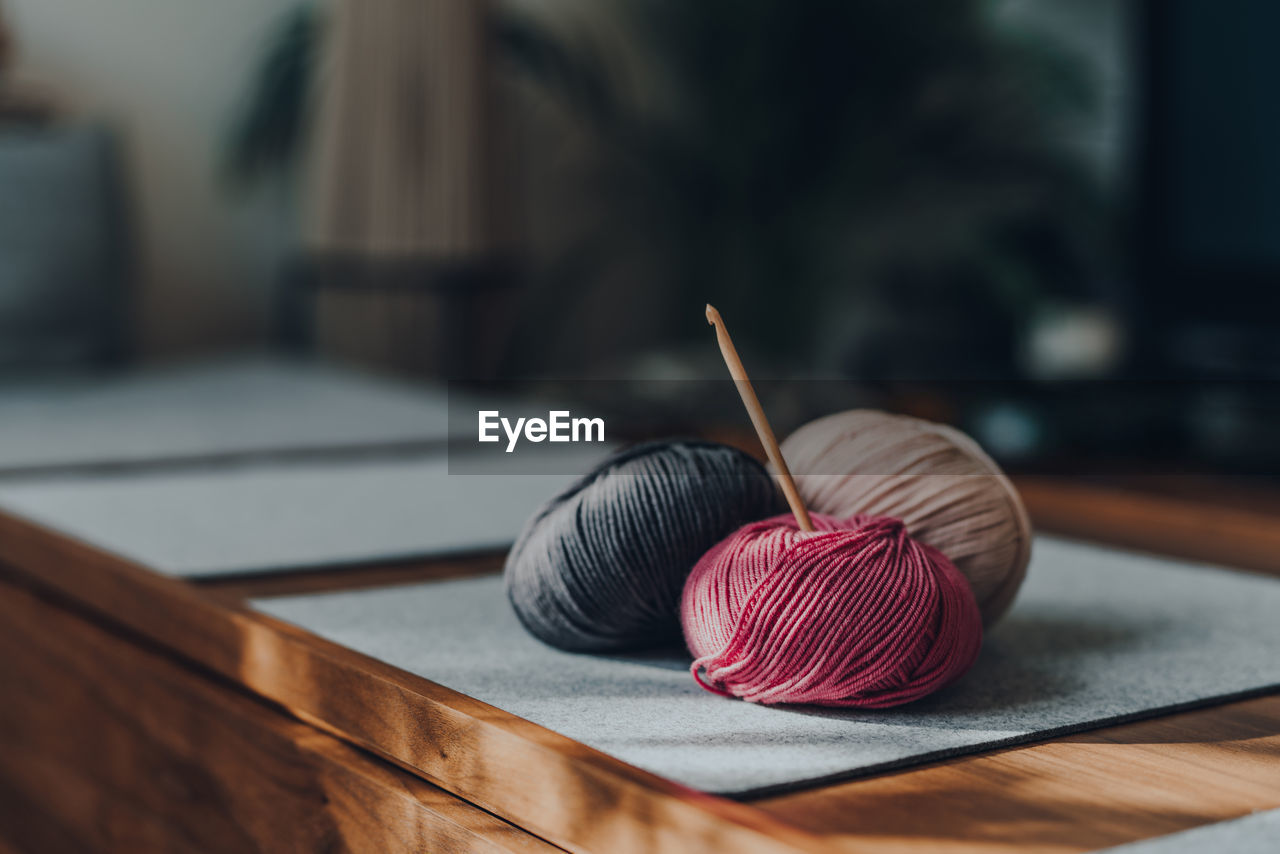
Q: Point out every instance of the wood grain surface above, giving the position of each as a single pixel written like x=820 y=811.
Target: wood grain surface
x=1228 y=523
x=110 y=746
x=1076 y=793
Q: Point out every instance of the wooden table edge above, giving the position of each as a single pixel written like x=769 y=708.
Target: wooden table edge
x=558 y=789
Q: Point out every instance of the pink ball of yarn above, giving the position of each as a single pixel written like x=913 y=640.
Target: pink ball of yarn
x=855 y=613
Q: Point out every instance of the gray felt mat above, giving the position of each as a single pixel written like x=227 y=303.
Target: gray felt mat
x=1096 y=636
x=1254 y=834
x=253 y=518
x=218 y=409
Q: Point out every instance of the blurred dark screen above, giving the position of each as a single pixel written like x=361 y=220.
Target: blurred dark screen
x=1210 y=206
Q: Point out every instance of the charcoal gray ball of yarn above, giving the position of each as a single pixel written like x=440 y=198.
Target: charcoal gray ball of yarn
x=601 y=566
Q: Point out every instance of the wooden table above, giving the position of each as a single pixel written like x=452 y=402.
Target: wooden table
x=142 y=713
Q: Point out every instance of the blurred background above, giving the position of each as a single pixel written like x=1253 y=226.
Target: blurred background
x=1053 y=222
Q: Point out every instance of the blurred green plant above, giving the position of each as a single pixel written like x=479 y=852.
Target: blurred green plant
x=810 y=148
x=268 y=134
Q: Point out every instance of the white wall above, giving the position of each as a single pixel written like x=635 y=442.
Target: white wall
x=169 y=74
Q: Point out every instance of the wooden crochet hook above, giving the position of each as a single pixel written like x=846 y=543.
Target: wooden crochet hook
x=758 y=419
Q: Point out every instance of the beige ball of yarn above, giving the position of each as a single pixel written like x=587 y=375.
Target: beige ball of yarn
x=934 y=478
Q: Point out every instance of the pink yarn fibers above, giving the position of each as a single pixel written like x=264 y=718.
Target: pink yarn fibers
x=856 y=613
